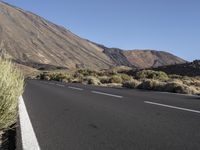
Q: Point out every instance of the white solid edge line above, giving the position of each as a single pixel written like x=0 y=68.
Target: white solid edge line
x=174 y=107
x=107 y=94
x=29 y=140
x=75 y=88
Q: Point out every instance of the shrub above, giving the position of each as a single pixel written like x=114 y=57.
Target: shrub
x=197 y=83
x=125 y=77
x=79 y=79
x=152 y=85
x=11 y=85
x=93 y=80
x=87 y=72
x=59 y=76
x=115 y=79
x=174 y=76
x=55 y=76
x=180 y=88
x=104 y=79
x=191 y=82
x=150 y=74
x=131 y=84
x=44 y=76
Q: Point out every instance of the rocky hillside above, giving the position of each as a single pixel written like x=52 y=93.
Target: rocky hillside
x=151 y=58
x=31 y=40
x=186 y=69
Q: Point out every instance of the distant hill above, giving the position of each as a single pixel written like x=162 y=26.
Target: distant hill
x=186 y=69
x=151 y=58
x=141 y=58
x=30 y=40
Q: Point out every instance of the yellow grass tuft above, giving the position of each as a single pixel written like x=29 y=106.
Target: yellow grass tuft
x=11 y=87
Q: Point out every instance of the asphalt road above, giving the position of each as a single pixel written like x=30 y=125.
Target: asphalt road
x=80 y=117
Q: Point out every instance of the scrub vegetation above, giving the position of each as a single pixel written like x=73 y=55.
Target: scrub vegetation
x=144 y=79
x=11 y=85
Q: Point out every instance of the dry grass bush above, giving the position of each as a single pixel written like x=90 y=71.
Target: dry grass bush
x=174 y=76
x=177 y=87
x=11 y=85
x=125 y=78
x=150 y=74
x=44 y=76
x=104 y=79
x=146 y=79
x=55 y=76
x=92 y=80
x=87 y=72
x=150 y=84
x=116 y=79
x=192 y=82
x=132 y=84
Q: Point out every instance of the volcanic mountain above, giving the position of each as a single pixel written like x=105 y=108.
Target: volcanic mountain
x=31 y=40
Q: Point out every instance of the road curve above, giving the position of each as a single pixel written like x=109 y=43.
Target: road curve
x=80 y=117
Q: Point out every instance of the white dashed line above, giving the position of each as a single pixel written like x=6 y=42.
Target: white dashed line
x=75 y=88
x=29 y=140
x=60 y=85
x=107 y=94
x=173 y=107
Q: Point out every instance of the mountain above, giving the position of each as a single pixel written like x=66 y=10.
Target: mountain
x=30 y=40
x=141 y=58
x=151 y=58
x=186 y=69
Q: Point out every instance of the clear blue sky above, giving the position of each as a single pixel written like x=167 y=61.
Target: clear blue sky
x=169 y=25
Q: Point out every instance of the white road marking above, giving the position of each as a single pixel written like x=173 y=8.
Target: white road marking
x=174 y=107
x=29 y=140
x=75 y=88
x=60 y=85
x=107 y=94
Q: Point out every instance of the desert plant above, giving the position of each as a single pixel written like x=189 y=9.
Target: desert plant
x=11 y=85
x=131 y=84
x=151 y=84
x=150 y=74
x=92 y=80
x=59 y=76
x=87 y=72
x=125 y=78
x=180 y=88
x=44 y=76
x=115 y=79
x=174 y=76
x=104 y=79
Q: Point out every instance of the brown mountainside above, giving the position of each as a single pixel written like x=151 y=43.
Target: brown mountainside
x=151 y=58
x=28 y=38
x=33 y=41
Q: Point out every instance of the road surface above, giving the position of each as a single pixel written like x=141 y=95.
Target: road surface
x=81 y=117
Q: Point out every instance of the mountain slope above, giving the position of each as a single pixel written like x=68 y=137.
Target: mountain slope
x=151 y=58
x=141 y=58
x=30 y=40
